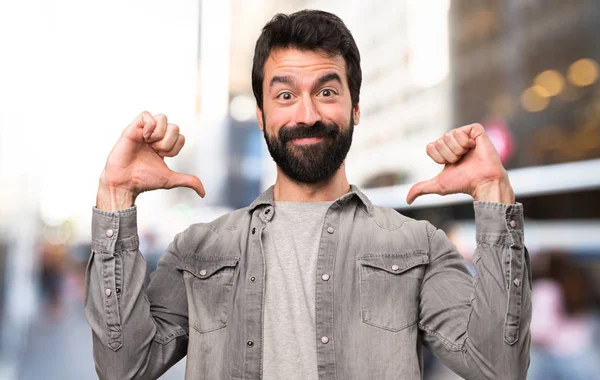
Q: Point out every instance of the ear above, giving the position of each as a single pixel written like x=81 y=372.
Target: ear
x=259 y=117
x=356 y=114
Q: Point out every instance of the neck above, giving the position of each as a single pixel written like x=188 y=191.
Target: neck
x=286 y=189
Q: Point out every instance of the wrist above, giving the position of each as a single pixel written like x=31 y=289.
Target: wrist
x=499 y=191
x=113 y=198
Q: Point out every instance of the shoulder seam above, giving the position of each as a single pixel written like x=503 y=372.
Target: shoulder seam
x=379 y=225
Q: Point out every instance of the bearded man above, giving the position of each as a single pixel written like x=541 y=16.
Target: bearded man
x=311 y=281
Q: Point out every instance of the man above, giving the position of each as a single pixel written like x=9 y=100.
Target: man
x=311 y=281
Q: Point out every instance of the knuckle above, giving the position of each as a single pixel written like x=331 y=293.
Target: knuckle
x=478 y=127
x=160 y=117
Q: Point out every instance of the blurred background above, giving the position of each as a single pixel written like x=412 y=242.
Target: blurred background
x=74 y=74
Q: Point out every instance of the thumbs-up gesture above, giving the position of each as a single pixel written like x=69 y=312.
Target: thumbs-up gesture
x=136 y=163
x=472 y=166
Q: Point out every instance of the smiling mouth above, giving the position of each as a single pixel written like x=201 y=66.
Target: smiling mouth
x=308 y=140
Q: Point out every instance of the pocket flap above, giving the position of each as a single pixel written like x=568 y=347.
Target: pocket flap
x=204 y=267
x=395 y=262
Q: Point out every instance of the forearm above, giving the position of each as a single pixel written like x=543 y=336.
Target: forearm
x=129 y=341
x=502 y=296
x=498 y=339
x=480 y=327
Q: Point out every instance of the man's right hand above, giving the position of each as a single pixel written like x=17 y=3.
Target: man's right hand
x=136 y=163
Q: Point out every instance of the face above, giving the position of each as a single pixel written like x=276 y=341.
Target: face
x=307 y=115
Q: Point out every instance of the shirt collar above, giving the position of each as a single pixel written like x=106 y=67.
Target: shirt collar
x=266 y=198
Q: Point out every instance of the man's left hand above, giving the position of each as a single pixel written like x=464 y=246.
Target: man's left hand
x=472 y=166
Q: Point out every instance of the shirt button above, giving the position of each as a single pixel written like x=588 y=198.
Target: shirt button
x=325 y=277
x=250 y=343
x=109 y=233
x=252 y=279
x=395 y=267
x=513 y=223
x=517 y=282
x=330 y=230
x=203 y=272
x=324 y=340
x=108 y=292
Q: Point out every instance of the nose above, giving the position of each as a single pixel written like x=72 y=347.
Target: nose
x=306 y=112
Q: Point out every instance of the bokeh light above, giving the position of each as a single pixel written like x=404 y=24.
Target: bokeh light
x=583 y=72
x=532 y=101
x=551 y=81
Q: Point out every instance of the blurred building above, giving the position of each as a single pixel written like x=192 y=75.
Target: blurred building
x=528 y=70
x=530 y=67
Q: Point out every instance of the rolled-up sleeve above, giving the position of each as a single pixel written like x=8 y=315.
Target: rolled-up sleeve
x=137 y=334
x=479 y=326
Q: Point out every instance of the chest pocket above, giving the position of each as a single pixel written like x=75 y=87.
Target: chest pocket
x=209 y=285
x=389 y=288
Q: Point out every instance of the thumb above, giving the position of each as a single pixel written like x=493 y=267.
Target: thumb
x=186 y=180
x=430 y=186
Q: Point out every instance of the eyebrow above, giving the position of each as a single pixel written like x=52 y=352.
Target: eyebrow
x=287 y=79
x=328 y=78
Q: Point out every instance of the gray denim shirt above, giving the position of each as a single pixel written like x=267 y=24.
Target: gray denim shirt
x=385 y=285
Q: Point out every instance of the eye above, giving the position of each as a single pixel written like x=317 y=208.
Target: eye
x=286 y=95
x=327 y=92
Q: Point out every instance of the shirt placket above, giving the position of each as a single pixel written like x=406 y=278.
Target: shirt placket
x=324 y=293
x=256 y=283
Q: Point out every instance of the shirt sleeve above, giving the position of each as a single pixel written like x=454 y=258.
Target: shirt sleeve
x=137 y=334
x=479 y=327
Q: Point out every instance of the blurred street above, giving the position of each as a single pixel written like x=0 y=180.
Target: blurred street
x=59 y=344
x=43 y=360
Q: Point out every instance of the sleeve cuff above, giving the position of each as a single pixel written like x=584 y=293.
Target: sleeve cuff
x=114 y=230
x=499 y=223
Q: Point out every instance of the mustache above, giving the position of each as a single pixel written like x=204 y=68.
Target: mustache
x=303 y=131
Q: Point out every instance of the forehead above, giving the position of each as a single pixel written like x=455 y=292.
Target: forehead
x=304 y=64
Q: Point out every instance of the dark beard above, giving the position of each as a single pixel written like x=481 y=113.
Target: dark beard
x=310 y=163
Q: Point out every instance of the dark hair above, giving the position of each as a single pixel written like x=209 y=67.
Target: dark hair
x=307 y=30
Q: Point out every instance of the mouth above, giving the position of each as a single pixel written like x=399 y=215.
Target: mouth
x=308 y=140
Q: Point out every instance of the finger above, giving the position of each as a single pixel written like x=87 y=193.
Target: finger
x=462 y=137
x=176 y=148
x=473 y=130
x=453 y=144
x=159 y=131
x=445 y=151
x=426 y=187
x=135 y=129
x=434 y=154
x=149 y=124
x=186 y=180
x=168 y=141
